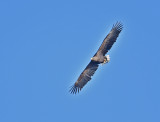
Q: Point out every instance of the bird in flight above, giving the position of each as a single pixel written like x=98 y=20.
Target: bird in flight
x=98 y=58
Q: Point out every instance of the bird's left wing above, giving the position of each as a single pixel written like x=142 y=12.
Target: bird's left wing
x=84 y=77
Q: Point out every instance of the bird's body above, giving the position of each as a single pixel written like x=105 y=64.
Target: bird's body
x=98 y=58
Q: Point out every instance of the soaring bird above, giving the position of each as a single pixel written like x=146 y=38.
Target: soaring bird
x=98 y=58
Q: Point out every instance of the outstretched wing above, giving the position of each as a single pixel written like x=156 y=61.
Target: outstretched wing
x=84 y=77
x=110 y=39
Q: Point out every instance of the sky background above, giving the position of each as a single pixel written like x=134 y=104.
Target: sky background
x=45 y=45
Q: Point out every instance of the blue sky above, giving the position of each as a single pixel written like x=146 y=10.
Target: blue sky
x=45 y=45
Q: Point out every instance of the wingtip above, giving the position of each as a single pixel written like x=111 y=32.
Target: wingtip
x=74 y=89
x=118 y=26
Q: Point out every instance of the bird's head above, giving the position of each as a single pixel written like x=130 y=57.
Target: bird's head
x=94 y=59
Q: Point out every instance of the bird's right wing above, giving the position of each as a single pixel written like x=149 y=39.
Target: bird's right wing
x=84 y=77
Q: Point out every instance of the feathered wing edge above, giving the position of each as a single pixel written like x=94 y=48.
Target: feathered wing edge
x=84 y=77
x=118 y=26
x=74 y=89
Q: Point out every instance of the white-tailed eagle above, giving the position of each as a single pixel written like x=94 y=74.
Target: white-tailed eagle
x=98 y=58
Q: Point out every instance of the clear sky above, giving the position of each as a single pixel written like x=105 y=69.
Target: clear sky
x=45 y=45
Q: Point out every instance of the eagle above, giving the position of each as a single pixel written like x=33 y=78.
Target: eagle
x=98 y=58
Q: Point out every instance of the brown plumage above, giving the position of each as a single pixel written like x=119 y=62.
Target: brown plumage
x=97 y=59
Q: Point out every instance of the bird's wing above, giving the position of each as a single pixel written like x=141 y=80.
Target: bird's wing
x=84 y=77
x=110 y=39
